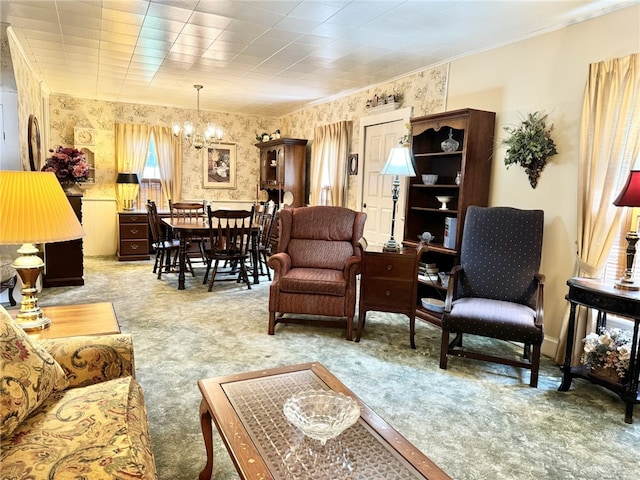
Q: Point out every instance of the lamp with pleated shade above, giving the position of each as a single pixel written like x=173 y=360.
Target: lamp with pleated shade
x=629 y=197
x=33 y=209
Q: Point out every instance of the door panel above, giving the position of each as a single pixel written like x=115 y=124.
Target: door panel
x=376 y=195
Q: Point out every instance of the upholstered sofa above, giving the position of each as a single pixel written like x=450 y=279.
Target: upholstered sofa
x=71 y=408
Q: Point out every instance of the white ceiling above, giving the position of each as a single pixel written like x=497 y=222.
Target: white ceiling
x=263 y=57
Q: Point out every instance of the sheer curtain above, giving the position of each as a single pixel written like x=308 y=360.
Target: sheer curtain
x=132 y=146
x=609 y=148
x=329 y=164
x=169 y=153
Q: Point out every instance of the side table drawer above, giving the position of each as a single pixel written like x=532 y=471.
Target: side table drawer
x=133 y=231
x=391 y=268
x=134 y=247
x=381 y=291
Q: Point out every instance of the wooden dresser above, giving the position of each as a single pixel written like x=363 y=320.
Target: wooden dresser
x=133 y=236
x=64 y=261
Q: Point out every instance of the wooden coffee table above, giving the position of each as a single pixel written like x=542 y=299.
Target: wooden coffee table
x=247 y=411
x=82 y=319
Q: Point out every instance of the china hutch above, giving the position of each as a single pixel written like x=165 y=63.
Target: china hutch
x=283 y=169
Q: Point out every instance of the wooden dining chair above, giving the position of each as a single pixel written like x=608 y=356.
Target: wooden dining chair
x=166 y=248
x=191 y=212
x=265 y=222
x=229 y=239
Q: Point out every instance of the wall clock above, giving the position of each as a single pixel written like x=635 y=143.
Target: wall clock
x=33 y=140
x=83 y=136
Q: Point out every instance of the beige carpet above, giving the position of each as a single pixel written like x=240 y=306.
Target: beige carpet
x=475 y=420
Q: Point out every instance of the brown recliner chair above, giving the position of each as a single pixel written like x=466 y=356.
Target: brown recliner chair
x=315 y=267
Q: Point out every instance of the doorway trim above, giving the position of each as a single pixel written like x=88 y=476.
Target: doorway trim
x=403 y=114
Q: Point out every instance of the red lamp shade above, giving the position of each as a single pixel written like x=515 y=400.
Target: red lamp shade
x=630 y=194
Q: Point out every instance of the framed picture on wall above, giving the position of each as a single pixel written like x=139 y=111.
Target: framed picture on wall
x=219 y=166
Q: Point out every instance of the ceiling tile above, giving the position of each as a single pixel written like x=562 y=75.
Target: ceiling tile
x=264 y=57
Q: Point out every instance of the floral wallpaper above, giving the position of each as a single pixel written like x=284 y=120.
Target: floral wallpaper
x=30 y=97
x=425 y=91
x=68 y=112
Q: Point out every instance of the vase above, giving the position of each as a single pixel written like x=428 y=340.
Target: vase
x=71 y=188
x=450 y=145
x=608 y=374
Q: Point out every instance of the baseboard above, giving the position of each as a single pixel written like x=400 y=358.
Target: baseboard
x=549 y=346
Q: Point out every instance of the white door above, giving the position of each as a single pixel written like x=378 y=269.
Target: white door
x=377 y=189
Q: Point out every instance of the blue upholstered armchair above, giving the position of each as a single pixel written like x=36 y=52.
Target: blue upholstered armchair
x=497 y=291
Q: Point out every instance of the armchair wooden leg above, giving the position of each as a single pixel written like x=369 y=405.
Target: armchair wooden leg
x=350 y=328
x=535 y=366
x=272 y=323
x=444 y=347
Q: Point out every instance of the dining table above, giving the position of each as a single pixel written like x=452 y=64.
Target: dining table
x=199 y=227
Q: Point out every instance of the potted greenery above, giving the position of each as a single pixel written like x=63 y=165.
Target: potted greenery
x=529 y=145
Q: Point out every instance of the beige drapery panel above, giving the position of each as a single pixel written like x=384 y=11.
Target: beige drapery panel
x=609 y=148
x=169 y=153
x=132 y=147
x=328 y=185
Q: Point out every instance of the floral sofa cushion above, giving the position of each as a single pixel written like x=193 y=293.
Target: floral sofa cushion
x=28 y=375
x=95 y=432
x=92 y=359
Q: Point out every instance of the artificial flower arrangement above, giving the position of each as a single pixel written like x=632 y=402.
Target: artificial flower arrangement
x=69 y=165
x=608 y=349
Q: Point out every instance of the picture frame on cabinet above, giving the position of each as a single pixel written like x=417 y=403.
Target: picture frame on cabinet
x=219 y=166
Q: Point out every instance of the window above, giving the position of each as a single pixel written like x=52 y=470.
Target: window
x=617 y=261
x=150 y=185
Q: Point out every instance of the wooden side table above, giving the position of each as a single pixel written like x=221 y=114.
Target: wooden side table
x=77 y=320
x=388 y=283
x=606 y=299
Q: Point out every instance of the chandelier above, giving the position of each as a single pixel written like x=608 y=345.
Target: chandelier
x=196 y=137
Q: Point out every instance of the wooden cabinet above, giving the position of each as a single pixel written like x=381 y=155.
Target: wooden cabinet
x=464 y=175
x=64 y=261
x=388 y=283
x=133 y=236
x=283 y=168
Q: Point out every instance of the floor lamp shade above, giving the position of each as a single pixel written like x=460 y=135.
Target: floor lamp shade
x=399 y=164
x=128 y=186
x=33 y=209
x=629 y=197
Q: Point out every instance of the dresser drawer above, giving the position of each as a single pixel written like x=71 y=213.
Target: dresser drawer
x=134 y=231
x=400 y=267
x=133 y=218
x=380 y=291
x=134 y=247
